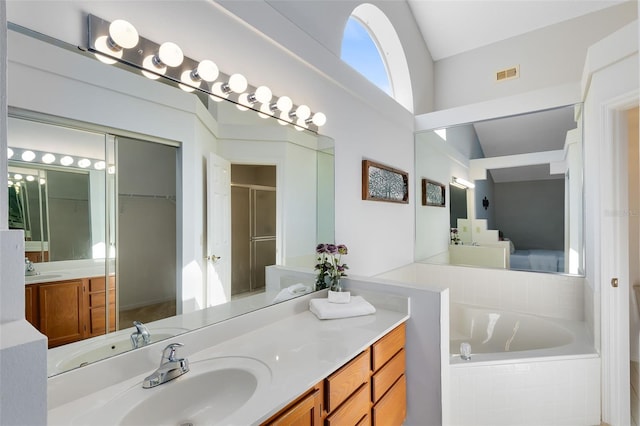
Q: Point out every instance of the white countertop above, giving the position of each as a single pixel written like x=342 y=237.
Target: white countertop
x=298 y=349
x=67 y=270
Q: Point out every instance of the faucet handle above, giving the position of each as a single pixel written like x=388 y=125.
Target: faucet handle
x=169 y=353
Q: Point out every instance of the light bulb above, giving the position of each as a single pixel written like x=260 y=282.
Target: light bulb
x=84 y=163
x=149 y=64
x=243 y=102
x=319 y=119
x=48 y=158
x=30 y=178
x=10 y=183
x=303 y=112
x=284 y=103
x=218 y=94
x=111 y=170
x=170 y=54
x=122 y=35
x=207 y=70
x=17 y=176
x=28 y=155
x=42 y=181
x=100 y=165
x=186 y=78
x=9 y=153
x=237 y=83
x=66 y=160
x=101 y=45
x=263 y=94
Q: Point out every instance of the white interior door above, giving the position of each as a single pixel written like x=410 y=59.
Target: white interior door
x=218 y=230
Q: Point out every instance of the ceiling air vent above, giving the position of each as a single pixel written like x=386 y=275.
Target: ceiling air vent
x=508 y=73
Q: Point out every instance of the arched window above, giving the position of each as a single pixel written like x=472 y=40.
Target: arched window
x=363 y=54
x=371 y=45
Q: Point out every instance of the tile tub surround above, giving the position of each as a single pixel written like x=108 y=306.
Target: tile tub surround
x=538 y=392
x=298 y=348
x=551 y=295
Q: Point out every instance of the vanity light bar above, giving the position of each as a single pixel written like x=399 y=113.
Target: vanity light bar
x=119 y=42
x=61 y=160
x=462 y=183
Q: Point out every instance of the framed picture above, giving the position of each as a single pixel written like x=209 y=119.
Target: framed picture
x=433 y=193
x=384 y=183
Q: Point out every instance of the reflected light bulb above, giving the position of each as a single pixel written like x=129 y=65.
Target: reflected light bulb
x=265 y=111
x=66 y=160
x=186 y=78
x=42 y=181
x=30 y=178
x=243 y=102
x=218 y=94
x=17 y=176
x=102 y=46
x=9 y=153
x=28 y=155
x=237 y=83
x=100 y=165
x=149 y=64
x=284 y=118
x=84 y=163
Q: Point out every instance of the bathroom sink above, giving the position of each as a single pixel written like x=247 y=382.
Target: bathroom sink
x=41 y=277
x=83 y=353
x=214 y=391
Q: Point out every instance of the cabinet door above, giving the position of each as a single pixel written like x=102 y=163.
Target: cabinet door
x=30 y=304
x=391 y=410
x=305 y=412
x=95 y=302
x=61 y=311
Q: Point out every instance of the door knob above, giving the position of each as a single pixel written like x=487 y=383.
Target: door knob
x=213 y=258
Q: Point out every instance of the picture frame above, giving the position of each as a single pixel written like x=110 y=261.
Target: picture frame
x=433 y=193
x=384 y=183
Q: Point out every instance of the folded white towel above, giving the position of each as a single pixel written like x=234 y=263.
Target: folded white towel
x=324 y=309
x=291 y=292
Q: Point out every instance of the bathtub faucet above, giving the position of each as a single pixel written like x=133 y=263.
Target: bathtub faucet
x=465 y=351
x=141 y=332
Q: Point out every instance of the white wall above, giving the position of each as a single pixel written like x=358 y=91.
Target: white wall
x=23 y=350
x=634 y=233
x=547 y=57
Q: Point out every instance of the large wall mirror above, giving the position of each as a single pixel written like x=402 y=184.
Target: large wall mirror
x=514 y=193
x=114 y=198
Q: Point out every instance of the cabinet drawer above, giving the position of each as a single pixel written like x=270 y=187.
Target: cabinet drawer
x=366 y=421
x=353 y=410
x=384 y=349
x=387 y=375
x=97 y=299
x=346 y=380
x=391 y=410
x=304 y=412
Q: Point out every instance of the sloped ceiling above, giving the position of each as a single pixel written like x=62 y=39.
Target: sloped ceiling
x=450 y=27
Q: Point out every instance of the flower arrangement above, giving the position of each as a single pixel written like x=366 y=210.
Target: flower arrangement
x=329 y=268
x=455 y=238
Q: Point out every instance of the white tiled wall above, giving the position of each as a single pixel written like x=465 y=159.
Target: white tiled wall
x=563 y=392
x=551 y=295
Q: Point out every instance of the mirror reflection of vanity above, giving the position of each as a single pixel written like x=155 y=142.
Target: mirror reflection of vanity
x=138 y=236
x=523 y=206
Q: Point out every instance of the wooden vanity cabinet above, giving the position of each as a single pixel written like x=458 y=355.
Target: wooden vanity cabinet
x=61 y=311
x=70 y=310
x=95 y=300
x=370 y=389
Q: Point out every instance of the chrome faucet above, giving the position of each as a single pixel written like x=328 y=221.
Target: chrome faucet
x=141 y=332
x=170 y=367
x=29 y=268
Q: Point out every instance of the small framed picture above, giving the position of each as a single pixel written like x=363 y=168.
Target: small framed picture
x=384 y=183
x=433 y=193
